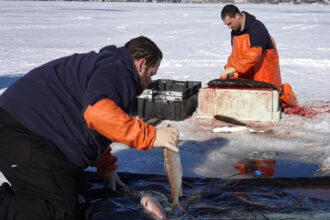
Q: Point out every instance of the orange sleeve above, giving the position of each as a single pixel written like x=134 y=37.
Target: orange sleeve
x=112 y=122
x=243 y=56
x=229 y=62
x=246 y=60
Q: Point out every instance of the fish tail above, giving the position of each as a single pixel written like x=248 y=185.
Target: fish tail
x=179 y=206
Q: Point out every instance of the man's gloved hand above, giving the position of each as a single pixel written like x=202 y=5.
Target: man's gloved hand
x=113 y=178
x=167 y=137
x=226 y=72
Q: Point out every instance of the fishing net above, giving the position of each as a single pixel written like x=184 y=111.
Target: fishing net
x=255 y=198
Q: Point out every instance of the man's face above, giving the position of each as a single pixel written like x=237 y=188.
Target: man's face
x=233 y=23
x=146 y=73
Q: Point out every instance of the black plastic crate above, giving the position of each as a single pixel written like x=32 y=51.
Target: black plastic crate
x=168 y=99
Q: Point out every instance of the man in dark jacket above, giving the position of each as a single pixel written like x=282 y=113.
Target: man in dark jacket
x=60 y=117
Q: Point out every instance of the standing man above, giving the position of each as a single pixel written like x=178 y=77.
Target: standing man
x=254 y=55
x=60 y=117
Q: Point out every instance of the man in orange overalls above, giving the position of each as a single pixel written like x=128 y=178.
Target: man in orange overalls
x=254 y=55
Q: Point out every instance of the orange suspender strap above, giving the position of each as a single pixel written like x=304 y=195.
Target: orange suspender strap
x=109 y=120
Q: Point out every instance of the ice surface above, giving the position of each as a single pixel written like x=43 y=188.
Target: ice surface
x=195 y=44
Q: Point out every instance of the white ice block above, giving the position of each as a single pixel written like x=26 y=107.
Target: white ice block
x=244 y=104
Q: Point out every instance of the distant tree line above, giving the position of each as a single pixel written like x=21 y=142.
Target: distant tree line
x=213 y=1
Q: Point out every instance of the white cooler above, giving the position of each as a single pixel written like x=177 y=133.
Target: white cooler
x=244 y=104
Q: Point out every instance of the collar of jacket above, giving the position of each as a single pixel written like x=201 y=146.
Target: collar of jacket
x=248 y=20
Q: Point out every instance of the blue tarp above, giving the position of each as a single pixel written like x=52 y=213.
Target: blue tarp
x=255 y=198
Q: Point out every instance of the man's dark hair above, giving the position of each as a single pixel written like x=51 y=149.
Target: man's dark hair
x=143 y=47
x=230 y=11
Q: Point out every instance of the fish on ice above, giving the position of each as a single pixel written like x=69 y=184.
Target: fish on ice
x=228 y=129
x=240 y=126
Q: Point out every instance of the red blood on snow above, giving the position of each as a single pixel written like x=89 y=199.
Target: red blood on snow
x=307 y=111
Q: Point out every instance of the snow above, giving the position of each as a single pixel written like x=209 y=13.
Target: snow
x=195 y=44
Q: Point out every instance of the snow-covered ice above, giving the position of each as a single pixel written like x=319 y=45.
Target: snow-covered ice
x=195 y=44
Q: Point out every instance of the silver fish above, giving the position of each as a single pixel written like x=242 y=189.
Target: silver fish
x=235 y=121
x=227 y=129
x=153 y=207
x=173 y=170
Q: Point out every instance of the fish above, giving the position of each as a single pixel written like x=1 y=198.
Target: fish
x=325 y=171
x=235 y=121
x=227 y=129
x=229 y=120
x=242 y=83
x=153 y=207
x=173 y=170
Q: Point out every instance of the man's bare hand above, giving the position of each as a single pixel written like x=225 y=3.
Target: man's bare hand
x=227 y=72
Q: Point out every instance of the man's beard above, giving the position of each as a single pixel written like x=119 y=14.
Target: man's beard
x=143 y=82
x=139 y=88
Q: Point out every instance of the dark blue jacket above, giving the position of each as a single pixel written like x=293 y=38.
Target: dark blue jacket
x=51 y=99
x=258 y=33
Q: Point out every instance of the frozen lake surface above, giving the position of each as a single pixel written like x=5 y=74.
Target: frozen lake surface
x=195 y=44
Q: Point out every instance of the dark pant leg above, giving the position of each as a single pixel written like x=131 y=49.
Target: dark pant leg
x=42 y=178
x=24 y=206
